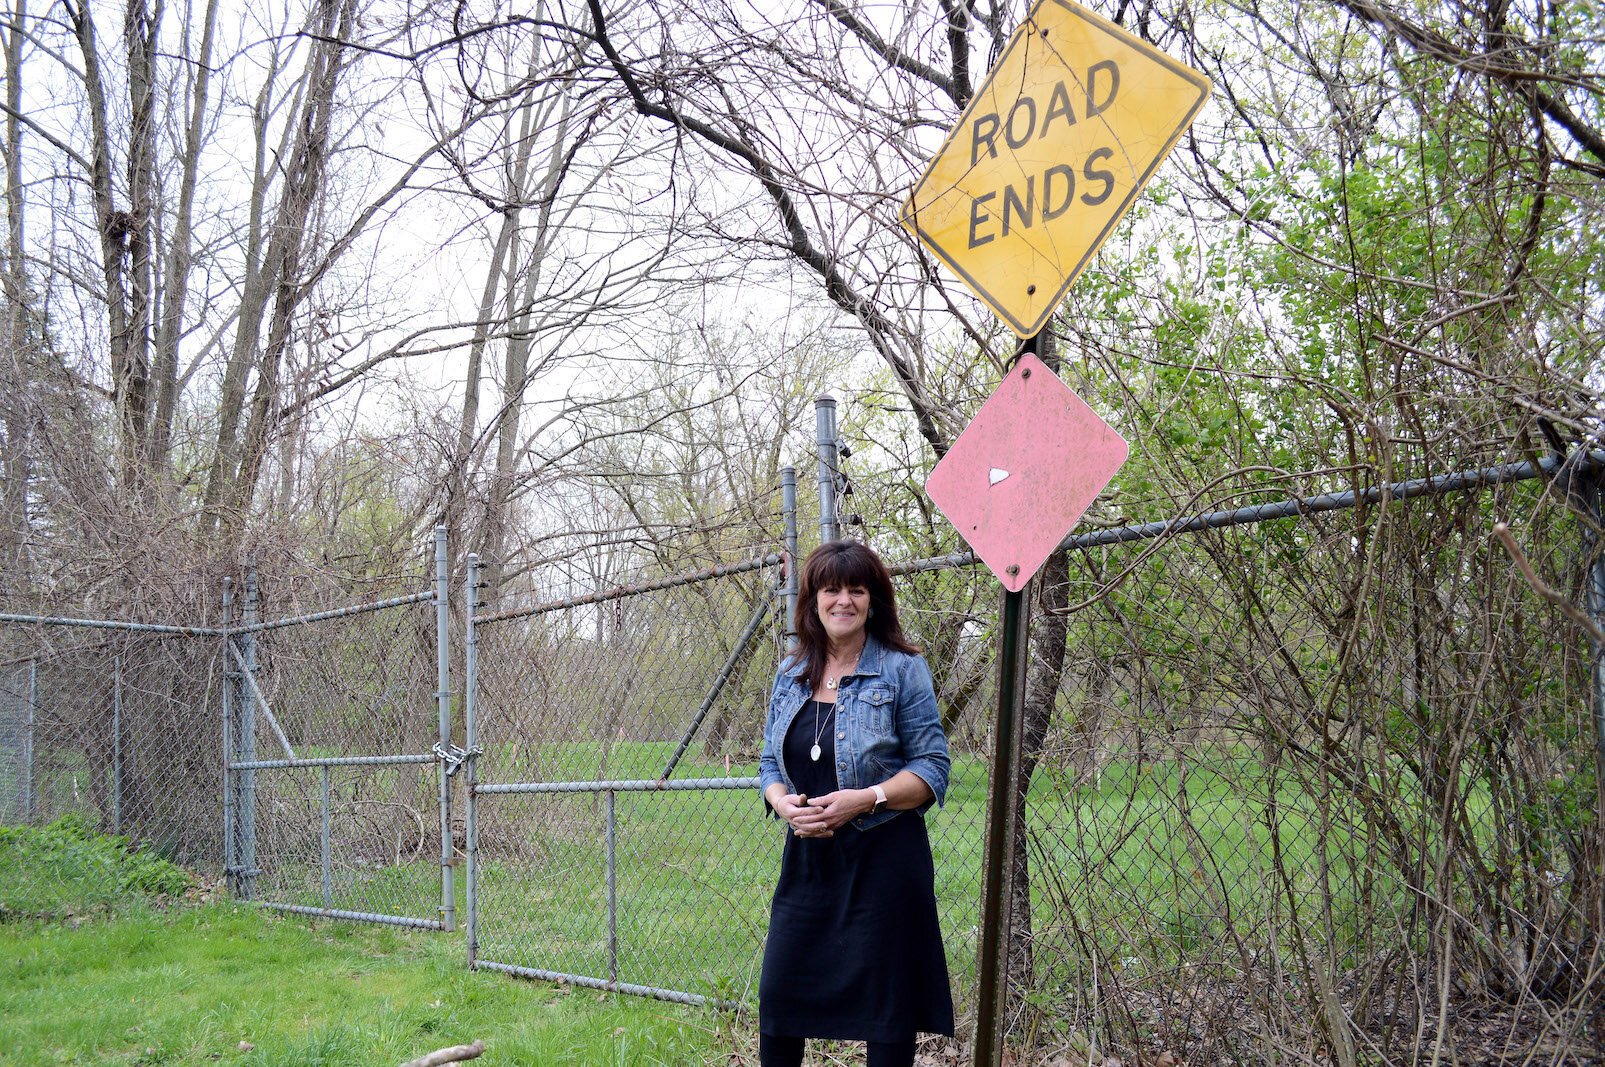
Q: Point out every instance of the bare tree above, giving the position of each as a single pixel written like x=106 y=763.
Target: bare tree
x=16 y=368
x=278 y=276
x=531 y=146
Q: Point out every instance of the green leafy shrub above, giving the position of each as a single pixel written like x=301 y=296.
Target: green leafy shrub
x=68 y=866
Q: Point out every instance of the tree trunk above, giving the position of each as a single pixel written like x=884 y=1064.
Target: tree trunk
x=520 y=319
x=456 y=489
x=302 y=186
x=16 y=376
x=456 y=474
x=254 y=291
x=180 y=254
x=141 y=26
x=1044 y=673
x=130 y=366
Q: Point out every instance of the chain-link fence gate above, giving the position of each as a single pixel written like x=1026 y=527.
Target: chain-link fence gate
x=338 y=799
x=305 y=758
x=615 y=838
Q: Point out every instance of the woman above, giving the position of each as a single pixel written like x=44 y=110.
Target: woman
x=853 y=756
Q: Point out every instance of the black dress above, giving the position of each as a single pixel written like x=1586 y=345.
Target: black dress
x=854 y=949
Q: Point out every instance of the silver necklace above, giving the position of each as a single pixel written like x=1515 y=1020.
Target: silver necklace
x=819 y=731
x=832 y=679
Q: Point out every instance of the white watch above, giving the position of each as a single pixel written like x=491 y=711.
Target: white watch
x=880 y=799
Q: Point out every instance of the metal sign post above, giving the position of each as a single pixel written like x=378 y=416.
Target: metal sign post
x=1002 y=816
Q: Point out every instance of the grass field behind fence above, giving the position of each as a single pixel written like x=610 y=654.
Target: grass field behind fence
x=1118 y=871
x=1152 y=864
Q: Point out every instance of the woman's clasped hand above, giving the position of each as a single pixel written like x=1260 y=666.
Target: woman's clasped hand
x=818 y=816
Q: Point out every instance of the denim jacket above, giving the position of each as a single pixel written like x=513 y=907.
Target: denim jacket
x=886 y=721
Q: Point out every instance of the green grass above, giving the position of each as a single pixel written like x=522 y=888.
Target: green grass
x=190 y=985
x=149 y=979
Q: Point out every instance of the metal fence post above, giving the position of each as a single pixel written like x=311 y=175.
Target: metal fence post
x=788 y=514
x=117 y=744
x=26 y=799
x=231 y=859
x=326 y=864
x=471 y=742
x=825 y=437
x=246 y=740
x=612 y=888
x=448 y=903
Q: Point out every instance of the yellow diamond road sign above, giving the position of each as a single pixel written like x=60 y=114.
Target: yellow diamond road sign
x=1068 y=128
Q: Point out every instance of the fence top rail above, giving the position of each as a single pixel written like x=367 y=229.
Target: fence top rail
x=332 y=613
x=216 y=631
x=643 y=785
x=1431 y=485
x=114 y=624
x=635 y=588
x=334 y=761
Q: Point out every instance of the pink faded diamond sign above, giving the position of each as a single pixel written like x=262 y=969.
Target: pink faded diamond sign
x=1021 y=474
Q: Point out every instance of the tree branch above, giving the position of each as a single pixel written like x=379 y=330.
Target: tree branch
x=1436 y=45
x=841 y=292
x=899 y=58
x=454 y=1054
x=54 y=141
x=1544 y=589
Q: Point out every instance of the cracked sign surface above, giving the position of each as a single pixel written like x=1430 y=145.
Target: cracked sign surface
x=1025 y=469
x=1052 y=151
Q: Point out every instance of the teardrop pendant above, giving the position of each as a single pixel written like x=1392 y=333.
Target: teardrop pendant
x=813 y=753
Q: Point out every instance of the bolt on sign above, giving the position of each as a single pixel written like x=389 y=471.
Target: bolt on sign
x=1052 y=151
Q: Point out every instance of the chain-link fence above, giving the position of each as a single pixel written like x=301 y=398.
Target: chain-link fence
x=102 y=729
x=1317 y=778
x=1309 y=775
x=1313 y=778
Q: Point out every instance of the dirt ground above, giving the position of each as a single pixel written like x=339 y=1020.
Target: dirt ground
x=1227 y=1029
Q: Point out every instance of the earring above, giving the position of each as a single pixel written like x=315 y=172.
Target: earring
x=870 y=614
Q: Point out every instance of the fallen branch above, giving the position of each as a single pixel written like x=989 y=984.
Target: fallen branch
x=1549 y=593
x=449 y=1055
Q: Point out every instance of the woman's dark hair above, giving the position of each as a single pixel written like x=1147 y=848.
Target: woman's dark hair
x=844 y=563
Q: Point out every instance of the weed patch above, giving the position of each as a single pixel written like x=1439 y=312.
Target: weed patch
x=67 y=868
